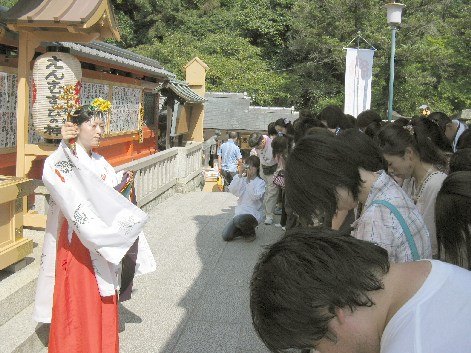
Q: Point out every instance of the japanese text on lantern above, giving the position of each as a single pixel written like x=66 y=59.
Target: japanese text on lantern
x=54 y=79
x=51 y=73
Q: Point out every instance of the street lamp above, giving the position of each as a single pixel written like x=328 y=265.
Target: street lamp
x=394 y=11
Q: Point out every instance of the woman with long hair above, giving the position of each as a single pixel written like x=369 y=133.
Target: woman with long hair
x=283 y=126
x=414 y=158
x=280 y=147
x=453 y=219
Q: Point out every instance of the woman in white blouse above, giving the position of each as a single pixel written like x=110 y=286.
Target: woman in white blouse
x=250 y=188
x=412 y=156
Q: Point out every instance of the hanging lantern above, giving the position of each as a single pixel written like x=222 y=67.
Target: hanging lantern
x=52 y=72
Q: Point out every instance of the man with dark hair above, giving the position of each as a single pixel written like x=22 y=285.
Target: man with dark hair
x=453 y=129
x=303 y=124
x=334 y=119
x=262 y=148
x=229 y=157
x=319 y=289
x=366 y=118
x=326 y=174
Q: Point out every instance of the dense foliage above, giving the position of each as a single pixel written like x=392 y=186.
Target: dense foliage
x=290 y=52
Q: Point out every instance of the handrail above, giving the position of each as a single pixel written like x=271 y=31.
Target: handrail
x=156 y=174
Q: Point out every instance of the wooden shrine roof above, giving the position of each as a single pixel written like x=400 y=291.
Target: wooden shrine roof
x=69 y=15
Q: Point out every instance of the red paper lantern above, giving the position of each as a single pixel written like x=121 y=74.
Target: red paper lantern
x=52 y=72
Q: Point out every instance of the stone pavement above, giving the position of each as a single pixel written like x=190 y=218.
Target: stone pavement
x=198 y=299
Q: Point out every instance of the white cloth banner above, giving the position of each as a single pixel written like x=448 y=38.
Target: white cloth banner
x=358 y=74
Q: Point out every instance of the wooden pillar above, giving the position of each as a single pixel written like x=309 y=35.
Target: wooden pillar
x=196 y=78
x=170 y=104
x=26 y=48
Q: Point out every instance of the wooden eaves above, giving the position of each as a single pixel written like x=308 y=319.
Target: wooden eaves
x=70 y=20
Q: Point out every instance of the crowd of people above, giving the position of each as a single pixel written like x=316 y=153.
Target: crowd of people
x=369 y=198
x=361 y=201
x=358 y=174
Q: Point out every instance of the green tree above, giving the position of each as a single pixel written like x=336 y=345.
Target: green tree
x=432 y=53
x=291 y=51
x=8 y=3
x=234 y=65
x=320 y=32
x=435 y=47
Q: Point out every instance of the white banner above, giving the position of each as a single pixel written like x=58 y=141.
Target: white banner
x=358 y=74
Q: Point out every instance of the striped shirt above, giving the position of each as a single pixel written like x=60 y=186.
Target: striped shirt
x=379 y=225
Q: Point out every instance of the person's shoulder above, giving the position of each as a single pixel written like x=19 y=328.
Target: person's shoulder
x=98 y=156
x=393 y=192
x=52 y=158
x=259 y=180
x=436 y=180
x=55 y=155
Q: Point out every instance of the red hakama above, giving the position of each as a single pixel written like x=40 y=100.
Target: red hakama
x=82 y=320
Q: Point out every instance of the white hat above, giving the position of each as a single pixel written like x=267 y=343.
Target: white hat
x=424 y=106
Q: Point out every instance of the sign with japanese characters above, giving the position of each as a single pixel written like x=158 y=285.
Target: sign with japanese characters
x=51 y=73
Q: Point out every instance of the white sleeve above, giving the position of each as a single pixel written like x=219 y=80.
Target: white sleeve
x=105 y=222
x=256 y=189
x=237 y=185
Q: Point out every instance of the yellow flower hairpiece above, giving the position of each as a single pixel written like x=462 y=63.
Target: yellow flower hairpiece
x=100 y=104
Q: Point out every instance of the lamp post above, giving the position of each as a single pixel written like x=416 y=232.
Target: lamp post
x=394 y=11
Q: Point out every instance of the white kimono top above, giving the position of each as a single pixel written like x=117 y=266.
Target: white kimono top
x=250 y=196
x=106 y=223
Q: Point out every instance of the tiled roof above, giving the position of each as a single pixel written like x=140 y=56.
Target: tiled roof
x=106 y=53
x=114 y=55
x=232 y=111
x=83 y=15
x=181 y=89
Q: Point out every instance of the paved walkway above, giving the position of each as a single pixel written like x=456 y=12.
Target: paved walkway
x=198 y=299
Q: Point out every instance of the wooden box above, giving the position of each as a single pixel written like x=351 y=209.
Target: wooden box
x=13 y=246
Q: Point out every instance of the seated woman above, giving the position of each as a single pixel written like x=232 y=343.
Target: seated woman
x=249 y=210
x=453 y=219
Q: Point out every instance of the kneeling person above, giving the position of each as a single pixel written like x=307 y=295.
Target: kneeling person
x=249 y=210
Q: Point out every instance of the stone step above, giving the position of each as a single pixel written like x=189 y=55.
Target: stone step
x=17 y=288
x=21 y=334
x=18 y=331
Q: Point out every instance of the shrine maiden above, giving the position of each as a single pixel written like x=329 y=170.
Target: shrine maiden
x=90 y=229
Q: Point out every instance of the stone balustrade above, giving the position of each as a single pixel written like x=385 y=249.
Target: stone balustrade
x=159 y=176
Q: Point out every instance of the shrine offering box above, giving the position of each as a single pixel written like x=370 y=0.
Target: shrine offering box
x=13 y=246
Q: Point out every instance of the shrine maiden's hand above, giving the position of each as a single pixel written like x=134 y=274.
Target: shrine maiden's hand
x=130 y=174
x=69 y=131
